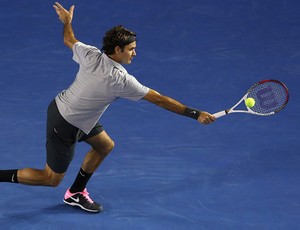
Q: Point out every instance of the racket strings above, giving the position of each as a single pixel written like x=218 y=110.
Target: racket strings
x=270 y=96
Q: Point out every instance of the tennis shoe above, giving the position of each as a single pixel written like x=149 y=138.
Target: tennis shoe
x=82 y=200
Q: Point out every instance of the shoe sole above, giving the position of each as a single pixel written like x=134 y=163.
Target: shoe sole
x=80 y=206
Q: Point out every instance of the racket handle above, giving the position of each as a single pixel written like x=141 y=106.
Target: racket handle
x=220 y=114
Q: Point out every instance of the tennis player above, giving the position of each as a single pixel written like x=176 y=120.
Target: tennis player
x=73 y=116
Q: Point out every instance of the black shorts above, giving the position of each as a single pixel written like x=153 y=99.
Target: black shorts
x=62 y=138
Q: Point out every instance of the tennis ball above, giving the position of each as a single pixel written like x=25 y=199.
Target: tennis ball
x=250 y=102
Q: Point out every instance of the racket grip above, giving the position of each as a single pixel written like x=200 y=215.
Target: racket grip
x=220 y=114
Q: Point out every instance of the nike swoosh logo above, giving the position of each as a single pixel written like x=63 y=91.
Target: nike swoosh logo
x=76 y=200
x=12 y=178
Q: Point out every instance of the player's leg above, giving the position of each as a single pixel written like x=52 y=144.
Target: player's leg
x=45 y=177
x=30 y=176
x=61 y=140
x=101 y=144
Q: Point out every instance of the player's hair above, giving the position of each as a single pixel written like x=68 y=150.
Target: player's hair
x=117 y=36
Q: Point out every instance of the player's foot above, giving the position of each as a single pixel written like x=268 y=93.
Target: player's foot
x=82 y=200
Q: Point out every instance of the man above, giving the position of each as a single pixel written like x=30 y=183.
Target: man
x=73 y=115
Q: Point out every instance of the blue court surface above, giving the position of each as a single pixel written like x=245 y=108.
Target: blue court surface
x=166 y=171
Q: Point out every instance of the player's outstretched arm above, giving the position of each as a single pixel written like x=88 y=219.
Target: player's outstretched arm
x=66 y=18
x=177 y=107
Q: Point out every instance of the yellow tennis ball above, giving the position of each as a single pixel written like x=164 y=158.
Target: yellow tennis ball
x=250 y=102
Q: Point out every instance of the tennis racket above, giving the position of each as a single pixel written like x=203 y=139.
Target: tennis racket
x=270 y=96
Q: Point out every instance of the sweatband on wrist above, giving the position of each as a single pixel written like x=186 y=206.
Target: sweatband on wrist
x=192 y=113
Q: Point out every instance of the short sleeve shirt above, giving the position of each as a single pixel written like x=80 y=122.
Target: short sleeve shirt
x=99 y=81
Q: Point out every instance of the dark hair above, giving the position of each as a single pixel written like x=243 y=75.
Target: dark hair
x=117 y=36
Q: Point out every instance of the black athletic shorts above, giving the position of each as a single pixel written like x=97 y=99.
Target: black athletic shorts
x=62 y=138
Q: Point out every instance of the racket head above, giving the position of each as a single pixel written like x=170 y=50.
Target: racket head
x=271 y=96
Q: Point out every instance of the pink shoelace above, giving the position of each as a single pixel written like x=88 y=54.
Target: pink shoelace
x=84 y=193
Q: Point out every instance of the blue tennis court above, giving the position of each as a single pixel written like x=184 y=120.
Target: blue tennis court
x=166 y=171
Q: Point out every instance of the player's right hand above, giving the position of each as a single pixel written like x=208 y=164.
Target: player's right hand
x=206 y=118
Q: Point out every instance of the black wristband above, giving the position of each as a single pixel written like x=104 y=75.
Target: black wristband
x=192 y=113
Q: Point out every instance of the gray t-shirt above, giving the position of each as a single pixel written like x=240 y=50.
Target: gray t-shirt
x=99 y=81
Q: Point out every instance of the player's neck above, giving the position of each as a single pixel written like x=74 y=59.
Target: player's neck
x=114 y=57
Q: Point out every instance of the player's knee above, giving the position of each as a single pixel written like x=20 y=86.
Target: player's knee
x=105 y=149
x=110 y=146
x=54 y=181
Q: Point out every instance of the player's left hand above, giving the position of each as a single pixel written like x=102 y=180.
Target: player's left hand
x=64 y=15
x=206 y=118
